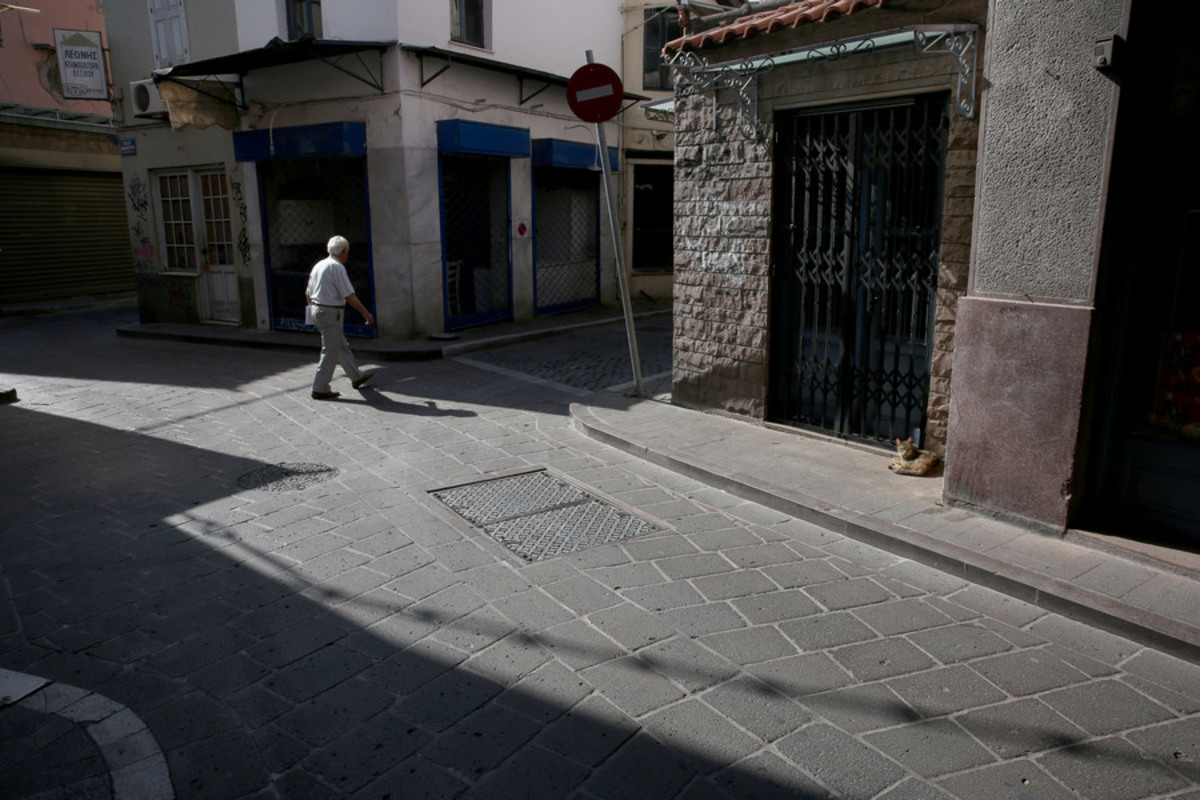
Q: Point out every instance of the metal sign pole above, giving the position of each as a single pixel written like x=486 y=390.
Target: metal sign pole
x=616 y=237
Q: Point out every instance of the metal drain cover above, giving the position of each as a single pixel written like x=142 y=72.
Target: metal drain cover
x=538 y=515
x=286 y=477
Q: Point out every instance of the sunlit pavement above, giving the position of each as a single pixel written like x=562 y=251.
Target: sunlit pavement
x=342 y=632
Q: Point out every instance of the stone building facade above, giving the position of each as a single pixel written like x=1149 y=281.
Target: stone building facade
x=727 y=189
x=1063 y=356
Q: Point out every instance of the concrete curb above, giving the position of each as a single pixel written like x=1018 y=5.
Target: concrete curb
x=136 y=763
x=1099 y=610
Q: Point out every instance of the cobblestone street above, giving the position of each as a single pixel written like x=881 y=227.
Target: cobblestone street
x=273 y=603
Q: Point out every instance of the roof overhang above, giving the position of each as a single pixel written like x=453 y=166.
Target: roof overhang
x=532 y=81
x=278 y=53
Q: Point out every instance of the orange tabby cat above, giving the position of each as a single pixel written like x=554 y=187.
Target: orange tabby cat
x=913 y=461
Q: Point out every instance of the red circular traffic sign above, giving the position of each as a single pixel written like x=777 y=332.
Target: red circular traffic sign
x=595 y=93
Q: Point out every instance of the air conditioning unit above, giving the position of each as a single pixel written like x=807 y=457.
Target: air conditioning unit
x=147 y=102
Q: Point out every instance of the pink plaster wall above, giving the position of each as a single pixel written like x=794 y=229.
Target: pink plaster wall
x=25 y=69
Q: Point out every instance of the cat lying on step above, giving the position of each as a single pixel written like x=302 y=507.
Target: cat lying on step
x=912 y=460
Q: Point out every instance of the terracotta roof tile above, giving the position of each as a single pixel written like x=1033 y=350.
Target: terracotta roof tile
x=792 y=15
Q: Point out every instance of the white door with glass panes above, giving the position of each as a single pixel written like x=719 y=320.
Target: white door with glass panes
x=197 y=237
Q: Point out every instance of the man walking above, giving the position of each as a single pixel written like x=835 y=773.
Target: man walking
x=329 y=290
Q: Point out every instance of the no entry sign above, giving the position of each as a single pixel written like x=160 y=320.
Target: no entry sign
x=594 y=93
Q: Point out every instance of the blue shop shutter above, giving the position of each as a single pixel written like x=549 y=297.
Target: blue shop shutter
x=482 y=139
x=561 y=153
x=302 y=141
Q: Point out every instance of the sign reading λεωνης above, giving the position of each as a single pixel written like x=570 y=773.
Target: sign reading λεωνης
x=81 y=64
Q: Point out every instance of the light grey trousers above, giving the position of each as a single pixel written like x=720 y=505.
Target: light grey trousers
x=334 y=348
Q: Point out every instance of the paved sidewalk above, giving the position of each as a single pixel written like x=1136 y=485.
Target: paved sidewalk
x=1149 y=595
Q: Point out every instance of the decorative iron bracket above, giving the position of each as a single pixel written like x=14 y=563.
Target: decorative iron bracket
x=740 y=76
x=959 y=41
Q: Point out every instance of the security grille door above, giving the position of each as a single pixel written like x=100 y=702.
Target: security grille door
x=859 y=211
x=475 y=232
x=305 y=202
x=566 y=245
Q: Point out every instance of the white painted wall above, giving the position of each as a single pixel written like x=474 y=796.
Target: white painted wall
x=365 y=20
x=257 y=23
x=548 y=35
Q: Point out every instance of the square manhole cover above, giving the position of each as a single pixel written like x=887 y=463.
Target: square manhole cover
x=539 y=515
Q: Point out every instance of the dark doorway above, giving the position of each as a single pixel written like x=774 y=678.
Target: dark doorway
x=653 y=218
x=305 y=201
x=1146 y=471
x=475 y=233
x=858 y=227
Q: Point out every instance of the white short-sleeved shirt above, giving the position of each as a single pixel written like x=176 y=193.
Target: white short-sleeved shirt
x=328 y=283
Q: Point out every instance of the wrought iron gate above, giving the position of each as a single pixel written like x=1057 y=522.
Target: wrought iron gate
x=857 y=240
x=475 y=235
x=566 y=239
x=305 y=201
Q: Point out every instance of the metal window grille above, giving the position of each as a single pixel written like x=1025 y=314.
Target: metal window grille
x=566 y=239
x=860 y=199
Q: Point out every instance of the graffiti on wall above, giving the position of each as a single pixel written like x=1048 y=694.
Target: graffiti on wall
x=181 y=294
x=243 y=242
x=144 y=254
x=139 y=197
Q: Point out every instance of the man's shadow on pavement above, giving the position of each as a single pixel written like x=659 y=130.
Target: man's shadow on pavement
x=427 y=408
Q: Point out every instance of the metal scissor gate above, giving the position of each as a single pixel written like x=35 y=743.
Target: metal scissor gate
x=858 y=204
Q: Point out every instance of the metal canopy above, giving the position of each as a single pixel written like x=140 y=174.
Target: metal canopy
x=957 y=41
x=443 y=59
x=277 y=53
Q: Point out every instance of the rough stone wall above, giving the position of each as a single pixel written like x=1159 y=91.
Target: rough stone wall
x=722 y=251
x=958 y=213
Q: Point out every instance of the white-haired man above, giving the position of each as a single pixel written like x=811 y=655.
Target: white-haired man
x=329 y=290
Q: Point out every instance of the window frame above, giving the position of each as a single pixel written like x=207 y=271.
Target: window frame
x=663 y=22
x=312 y=24
x=189 y=218
x=459 y=18
x=168 y=33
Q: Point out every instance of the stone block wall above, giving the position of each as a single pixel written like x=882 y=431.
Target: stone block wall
x=958 y=213
x=722 y=266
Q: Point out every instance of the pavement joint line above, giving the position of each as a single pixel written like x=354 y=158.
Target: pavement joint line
x=523 y=376
x=147 y=778
x=1141 y=625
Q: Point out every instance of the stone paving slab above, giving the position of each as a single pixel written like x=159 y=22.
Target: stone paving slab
x=742 y=652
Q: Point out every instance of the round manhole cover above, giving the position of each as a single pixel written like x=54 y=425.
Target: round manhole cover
x=286 y=477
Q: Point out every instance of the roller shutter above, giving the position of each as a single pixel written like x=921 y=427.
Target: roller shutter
x=62 y=235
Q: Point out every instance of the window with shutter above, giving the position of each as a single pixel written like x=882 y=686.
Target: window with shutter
x=168 y=32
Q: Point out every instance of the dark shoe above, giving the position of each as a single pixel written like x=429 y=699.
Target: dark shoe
x=361 y=382
x=325 y=395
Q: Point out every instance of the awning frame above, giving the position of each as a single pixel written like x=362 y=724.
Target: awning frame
x=444 y=59
x=277 y=53
x=961 y=42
